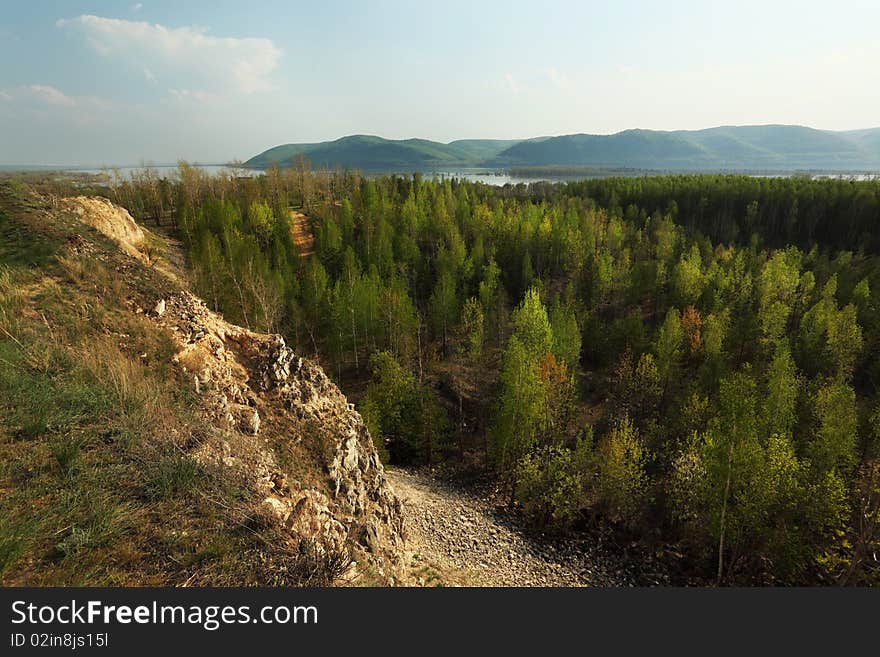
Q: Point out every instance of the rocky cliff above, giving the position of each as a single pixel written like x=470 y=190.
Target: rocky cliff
x=188 y=450
x=257 y=389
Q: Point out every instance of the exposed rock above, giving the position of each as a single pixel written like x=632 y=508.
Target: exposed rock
x=247 y=419
x=244 y=376
x=253 y=387
x=460 y=536
x=277 y=508
x=110 y=219
x=312 y=516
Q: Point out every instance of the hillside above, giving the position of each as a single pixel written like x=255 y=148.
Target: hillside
x=147 y=441
x=768 y=147
x=730 y=147
x=370 y=152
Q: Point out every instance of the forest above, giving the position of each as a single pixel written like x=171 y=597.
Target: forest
x=685 y=359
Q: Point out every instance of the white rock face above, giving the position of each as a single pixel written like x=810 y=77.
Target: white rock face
x=246 y=376
x=360 y=487
x=251 y=387
x=110 y=219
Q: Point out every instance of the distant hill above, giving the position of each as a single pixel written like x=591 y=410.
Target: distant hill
x=370 y=152
x=481 y=150
x=763 y=147
x=729 y=147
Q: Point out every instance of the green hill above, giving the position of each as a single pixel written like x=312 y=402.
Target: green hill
x=371 y=152
x=637 y=148
x=727 y=147
x=867 y=139
x=480 y=150
x=770 y=147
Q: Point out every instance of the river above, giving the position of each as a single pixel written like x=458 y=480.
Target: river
x=497 y=178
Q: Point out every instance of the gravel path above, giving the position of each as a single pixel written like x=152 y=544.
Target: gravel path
x=458 y=536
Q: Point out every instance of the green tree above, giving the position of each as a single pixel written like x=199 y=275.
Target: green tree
x=862 y=294
x=349 y=282
x=520 y=408
x=714 y=333
x=443 y=306
x=777 y=288
x=831 y=339
x=472 y=328
x=833 y=445
x=566 y=334
x=532 y=325
x=780 y=400
x=622 y=482
x=262 y=222
x=668 y=346
x=603 y=278
x=401 y=319
x=687 y=277
x=404 y=418
x=731 y=455
x=314 y=299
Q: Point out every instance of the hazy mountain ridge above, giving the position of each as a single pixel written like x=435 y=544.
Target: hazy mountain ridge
x=372 y=152
x=724 y=147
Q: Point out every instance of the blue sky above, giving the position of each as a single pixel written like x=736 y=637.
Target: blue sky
x=106 y=82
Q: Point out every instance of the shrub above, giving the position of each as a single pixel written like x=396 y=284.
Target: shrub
x=622 y=482
x=550 y=484
x=404 y=418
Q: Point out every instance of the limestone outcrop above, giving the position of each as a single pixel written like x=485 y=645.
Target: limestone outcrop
x=111 y=220
x=254 y=385
x=283 y=428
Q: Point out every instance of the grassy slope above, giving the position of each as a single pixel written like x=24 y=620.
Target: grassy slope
x=97 y=485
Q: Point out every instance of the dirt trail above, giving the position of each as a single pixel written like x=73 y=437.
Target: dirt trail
x=457 y=536
x=301 y=233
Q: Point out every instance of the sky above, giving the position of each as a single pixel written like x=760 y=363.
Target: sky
x=123 y=83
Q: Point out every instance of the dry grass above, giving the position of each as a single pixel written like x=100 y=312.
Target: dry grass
x=99 y=479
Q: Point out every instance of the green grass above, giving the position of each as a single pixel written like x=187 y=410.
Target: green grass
x=66 y=450
x=20 y=246
x=172 y=475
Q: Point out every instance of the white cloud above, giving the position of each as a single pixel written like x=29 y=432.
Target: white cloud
x=40 y=93
x=136 y=7
x=51 y=95
x=189 y=56
x=560 y=80
x=190 y=94
x=149 y=74
x=512 y=84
